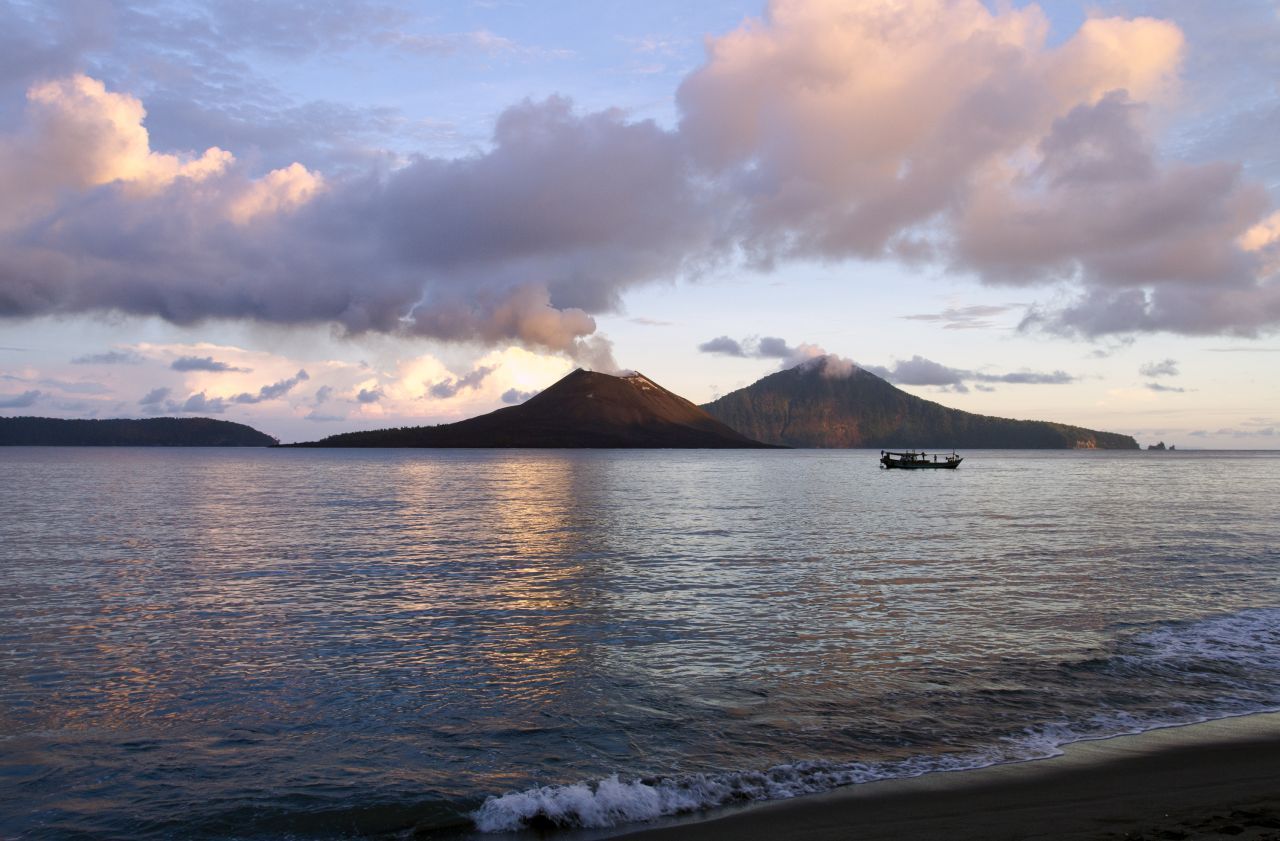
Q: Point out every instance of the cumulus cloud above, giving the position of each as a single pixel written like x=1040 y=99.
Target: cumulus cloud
x=450 y=386
x=203 y=363
x=917 y=130
x=1163 y=368
x=110 y=357
x=369 y=395
x=19 y=401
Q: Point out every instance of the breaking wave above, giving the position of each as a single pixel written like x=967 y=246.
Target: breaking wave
x=1230 y=665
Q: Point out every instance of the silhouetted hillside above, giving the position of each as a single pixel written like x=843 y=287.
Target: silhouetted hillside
x=804 y=407
x=126 y=432
x=584 y=409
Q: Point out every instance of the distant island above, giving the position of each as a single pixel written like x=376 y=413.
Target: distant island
x=812 y=406
x=128 y=432
x=584 y=409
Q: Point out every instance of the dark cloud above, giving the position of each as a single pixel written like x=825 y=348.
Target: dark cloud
x=1163 y=368
x=323 y=393
x=154 y=397
x=369 y=395
x=203 y=363
x=111 y=357
x=19 y=401
x=1168 y=388
x=513 y=396
x=449 y=387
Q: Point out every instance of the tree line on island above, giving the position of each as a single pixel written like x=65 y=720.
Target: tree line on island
x=129 y=432
x=814 y=405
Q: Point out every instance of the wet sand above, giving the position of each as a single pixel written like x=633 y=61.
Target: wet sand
x=1214 y=780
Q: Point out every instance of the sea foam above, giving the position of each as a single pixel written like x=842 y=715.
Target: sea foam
x=1215 y=645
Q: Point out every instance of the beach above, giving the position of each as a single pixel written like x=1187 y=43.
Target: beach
x=1218 y=779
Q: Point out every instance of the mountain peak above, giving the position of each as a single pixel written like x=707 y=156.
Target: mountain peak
x=582 y=409
x=830 y=402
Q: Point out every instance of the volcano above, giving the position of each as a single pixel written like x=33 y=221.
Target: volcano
x=813 y=405
x=584 y=409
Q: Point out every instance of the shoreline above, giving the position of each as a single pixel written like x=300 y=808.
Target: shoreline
x=1207 y=780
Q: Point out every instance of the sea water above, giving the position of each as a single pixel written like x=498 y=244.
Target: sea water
x=283 y=643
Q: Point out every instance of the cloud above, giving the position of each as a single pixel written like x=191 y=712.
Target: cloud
x=19 y=401
x=925 y=372
x=1164 y=388
x=990 y=151
x=976 y=317
x=1164 y=368
x=449 y=387
x=203 y=363
x=513 y=396
x=761 y=347
x=273 y=391
x=937 y=131
x=202 y=403
x=369 y=395
x=111 y=357
x=154 y=397
x=724 y=346
x=323 y=393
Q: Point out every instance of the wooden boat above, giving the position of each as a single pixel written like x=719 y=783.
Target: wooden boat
x=912 y=460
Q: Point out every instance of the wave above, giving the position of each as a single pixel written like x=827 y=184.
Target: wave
x=1220 y=654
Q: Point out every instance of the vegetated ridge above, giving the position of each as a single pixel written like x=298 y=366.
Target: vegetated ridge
x=583 y=409
x=129 y=432
x=810 y=406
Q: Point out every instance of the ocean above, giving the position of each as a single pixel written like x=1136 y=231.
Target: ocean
x=327 y=643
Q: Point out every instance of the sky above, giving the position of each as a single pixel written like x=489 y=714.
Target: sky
x=316 y=217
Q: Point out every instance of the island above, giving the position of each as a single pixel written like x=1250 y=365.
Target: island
x=585 y=409
x=130 y=432
x=819 y=404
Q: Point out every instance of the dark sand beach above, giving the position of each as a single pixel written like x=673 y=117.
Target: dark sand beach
x=1214 y=780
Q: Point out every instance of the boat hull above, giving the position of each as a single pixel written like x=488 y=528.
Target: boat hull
x=902 y=464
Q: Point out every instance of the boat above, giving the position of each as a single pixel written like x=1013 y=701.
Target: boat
x=912 y=460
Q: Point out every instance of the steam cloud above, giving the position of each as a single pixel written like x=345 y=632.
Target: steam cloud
x=922 y=130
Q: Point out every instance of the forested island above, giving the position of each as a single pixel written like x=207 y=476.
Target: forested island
x=130 y=432
x=813 y=406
